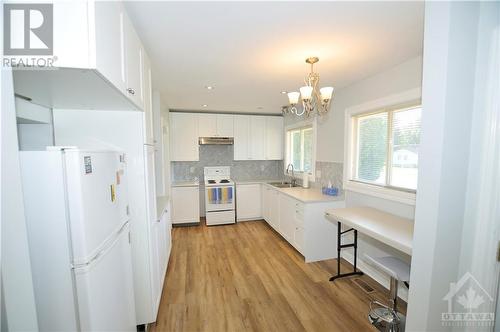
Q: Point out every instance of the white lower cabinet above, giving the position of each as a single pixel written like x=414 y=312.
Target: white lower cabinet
x=185 y=205
x=161 y=243
x=302 y=224
x=248 y=202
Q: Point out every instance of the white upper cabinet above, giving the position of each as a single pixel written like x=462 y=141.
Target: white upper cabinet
x=274 y=138
x=257 y=138
x=99 y=56
x=148 y=103
x=213 y=125
x=134 y=63
x=184 y=137
x=225 y=125
x=109 y=39
x=207 y=125
x=241 y=137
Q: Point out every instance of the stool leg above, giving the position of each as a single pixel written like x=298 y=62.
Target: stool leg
x=394 y=293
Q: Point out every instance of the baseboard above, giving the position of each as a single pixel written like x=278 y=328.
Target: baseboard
x=376 y=275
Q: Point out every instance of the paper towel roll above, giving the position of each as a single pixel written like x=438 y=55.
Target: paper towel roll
x=305 y=180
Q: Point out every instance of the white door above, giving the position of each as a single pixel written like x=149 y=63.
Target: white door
x=184 y=137
x=274 y=138
x=207 y=125
x=225 y=125
x=258 y=137
x=105 y=288
x=241 y=137
x=95 y=210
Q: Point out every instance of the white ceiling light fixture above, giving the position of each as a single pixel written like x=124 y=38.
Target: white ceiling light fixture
x=314 y=99
x=209 y=87
x=204 y=105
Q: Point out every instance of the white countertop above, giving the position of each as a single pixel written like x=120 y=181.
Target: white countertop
x=305 y=195
x=392 y=230
x=186 y=184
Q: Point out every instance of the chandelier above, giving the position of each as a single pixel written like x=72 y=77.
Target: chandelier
x=313 y=98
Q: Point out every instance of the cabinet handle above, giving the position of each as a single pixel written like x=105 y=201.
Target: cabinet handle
x=131 y=91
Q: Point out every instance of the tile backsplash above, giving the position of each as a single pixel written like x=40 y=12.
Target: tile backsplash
x=222 y=155
x=329 y=172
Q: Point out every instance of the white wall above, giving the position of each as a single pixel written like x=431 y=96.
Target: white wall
x=456 y=219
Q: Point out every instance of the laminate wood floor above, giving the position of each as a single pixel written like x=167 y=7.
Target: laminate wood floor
x=246 y=277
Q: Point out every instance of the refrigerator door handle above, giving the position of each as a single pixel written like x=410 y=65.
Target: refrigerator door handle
x=109 y=244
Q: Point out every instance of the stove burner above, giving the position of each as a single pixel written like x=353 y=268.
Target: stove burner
x=224 y=181
x=211 y=181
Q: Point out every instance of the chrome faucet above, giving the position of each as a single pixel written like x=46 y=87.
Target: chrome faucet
x=293 y=182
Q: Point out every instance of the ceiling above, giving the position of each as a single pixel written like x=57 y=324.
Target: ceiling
x=251 y=51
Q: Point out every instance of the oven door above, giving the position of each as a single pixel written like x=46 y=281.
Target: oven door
x=219 y=198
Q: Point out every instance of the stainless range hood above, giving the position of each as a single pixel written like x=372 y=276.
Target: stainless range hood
x=216 y=140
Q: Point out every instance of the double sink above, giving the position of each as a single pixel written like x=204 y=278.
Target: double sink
x=283 y=184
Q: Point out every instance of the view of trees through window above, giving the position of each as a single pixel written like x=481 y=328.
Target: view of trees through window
x=387 y=162
x=300 y=148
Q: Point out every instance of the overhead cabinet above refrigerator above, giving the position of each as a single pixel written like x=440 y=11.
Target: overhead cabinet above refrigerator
x=99 y=57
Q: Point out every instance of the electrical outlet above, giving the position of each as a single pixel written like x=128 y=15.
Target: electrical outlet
x=318 y=173
x=191 y=170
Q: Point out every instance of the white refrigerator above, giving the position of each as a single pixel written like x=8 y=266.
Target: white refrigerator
x=76 y=206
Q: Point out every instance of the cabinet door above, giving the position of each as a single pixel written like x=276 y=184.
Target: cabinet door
x=110 y=48
x=265 y=202
x=274 y=209
x=154 y=246
x=298 y=239
x=184 y=137
x=274 y=138
x=248 y=202
x=241 y=137
x=207 y=125
x=148 y=103
x=225 y=125
x=134 y=63
x=258 y=137
x=185 y=205
x=287 y=218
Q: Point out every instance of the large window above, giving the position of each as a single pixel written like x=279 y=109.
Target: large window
x=386 y=147
x=300 y=148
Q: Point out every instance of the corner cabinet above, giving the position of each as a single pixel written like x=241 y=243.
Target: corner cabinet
x=184 y=137
x=99 y=57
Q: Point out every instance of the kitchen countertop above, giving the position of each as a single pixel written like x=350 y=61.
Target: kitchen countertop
x=305 y=195
x=186 y=184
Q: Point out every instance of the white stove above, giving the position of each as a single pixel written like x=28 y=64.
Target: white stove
x=219 y=195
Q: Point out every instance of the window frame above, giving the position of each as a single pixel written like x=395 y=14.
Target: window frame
x=295 y=126
x=406 y=100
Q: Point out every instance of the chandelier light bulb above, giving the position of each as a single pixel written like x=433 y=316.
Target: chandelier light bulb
x=293 y=97
x=306 y=92
x=326 y=93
